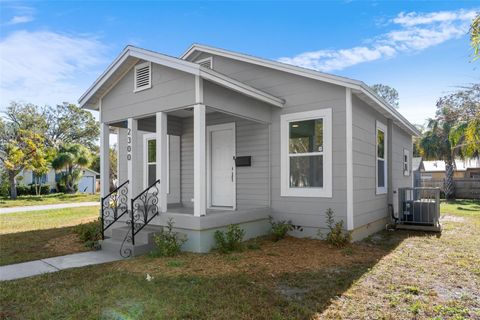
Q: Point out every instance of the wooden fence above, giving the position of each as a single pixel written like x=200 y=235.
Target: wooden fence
x=465 y=188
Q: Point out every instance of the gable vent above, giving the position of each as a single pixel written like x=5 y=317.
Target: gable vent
x=206 y=63
x=143 y=76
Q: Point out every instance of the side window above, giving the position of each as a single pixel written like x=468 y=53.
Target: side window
x=381 y=156
x=406 y=162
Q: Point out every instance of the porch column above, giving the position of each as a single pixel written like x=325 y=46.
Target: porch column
x=162 y=158
x=133 y=174
x=199 y=167
x=104 y=159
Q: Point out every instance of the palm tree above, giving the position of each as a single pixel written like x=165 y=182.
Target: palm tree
x=71 y=158
x=454 y=133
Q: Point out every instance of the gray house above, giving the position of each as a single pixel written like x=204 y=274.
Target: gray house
x=217 y=137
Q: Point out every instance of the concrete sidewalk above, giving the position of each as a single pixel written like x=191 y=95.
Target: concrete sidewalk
x=76 y=260
x=49 y=207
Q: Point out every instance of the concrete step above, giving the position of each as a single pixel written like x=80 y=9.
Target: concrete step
x=114 y=246
x=145 y=235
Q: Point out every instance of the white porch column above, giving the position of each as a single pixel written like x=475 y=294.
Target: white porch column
x=162 y=158
x=104 y=159
x=133 y=174
x=199 y=167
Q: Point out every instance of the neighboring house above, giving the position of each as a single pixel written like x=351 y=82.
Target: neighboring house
x=87 y=183
x=417 y=168
x=435 y=170
x=234 y=138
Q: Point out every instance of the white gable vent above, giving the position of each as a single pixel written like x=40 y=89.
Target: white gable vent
x=206 y=63
x=143 y=76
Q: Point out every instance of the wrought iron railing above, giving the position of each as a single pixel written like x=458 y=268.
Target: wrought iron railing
x=114 y=206
x=144 y=208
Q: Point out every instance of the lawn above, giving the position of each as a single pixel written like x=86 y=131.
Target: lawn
x=34 y=235
x=48 y=199
x=391 y=275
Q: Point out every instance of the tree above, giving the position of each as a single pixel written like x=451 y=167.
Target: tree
x=475 y=37
x=41 y=165
x=71 y=158
x=388 y=94
x=454 y=131
x=18 y=154
x=21 y=140
x=95 y=166
x=70 y=124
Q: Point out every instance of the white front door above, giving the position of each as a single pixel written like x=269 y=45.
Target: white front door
x=221 y=165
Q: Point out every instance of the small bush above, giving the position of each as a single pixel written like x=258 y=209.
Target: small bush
x=231 y=240
x=336 y=235
x=90 y=233
x=29 y=190
x=169 y=243
x=280 y=228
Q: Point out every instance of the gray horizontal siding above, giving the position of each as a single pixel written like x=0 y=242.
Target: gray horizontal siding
x=251 y=140
x=170 y=88
x=301 y=94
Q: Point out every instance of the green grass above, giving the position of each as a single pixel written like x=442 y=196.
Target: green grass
x=460 y=207
x=48 y=199
x=417 y=275
x=26 y=236
x=46 y=219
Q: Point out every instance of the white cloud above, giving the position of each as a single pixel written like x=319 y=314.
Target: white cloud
x=20 y=19
x=415 y=32
x=45 y=67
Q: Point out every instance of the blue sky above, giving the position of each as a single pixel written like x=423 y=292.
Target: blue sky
x=51 y=52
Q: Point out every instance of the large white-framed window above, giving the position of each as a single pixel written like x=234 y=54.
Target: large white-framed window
x=406 y=162
x=306 y=153
x=381 y=158
x=150 y=160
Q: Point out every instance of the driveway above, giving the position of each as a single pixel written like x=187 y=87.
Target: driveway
x=49 y=207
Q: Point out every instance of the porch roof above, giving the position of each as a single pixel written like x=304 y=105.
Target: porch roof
x=131 y=55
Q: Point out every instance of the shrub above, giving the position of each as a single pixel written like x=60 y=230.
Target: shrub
x=90 y=233
x=169 y=243
x=280 y=228
x=231 y=240
x=29 y=190
x=336 y=235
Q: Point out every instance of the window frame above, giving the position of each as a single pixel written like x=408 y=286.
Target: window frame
x=209 y=59
x=406 y=163
x=139 y=66
x=314 y=192
x=147 y=137
x=381 y=127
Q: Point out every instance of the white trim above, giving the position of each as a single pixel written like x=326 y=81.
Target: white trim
x=199 y=159
x=209 y=59
x=198 y=89
x=382 y=127
x=153 y=136
x=406 y=153
x=349 y=152
x=104 y=159
x=210 y=129
x=139 y=66
x=178 y=64
x=308 y=73
x=132 y=157
x=326 y=190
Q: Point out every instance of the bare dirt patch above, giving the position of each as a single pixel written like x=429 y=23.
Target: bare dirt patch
x=65 y=244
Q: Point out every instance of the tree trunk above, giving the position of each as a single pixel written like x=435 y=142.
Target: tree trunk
x=13 y=185
x=69 y=186
x=449 y=184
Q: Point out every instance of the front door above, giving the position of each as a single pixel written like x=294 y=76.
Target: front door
x=221 y=165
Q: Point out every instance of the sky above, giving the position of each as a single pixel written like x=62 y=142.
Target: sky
x=52 y=51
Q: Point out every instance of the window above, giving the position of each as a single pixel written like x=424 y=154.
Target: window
x=406 y=162
x=306 y=163
x=143 y=76
x=381 y=176
x=150 y=160
x=207 y=62
x=41 y=180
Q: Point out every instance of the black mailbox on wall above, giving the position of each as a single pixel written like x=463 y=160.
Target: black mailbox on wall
x=245 y=161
